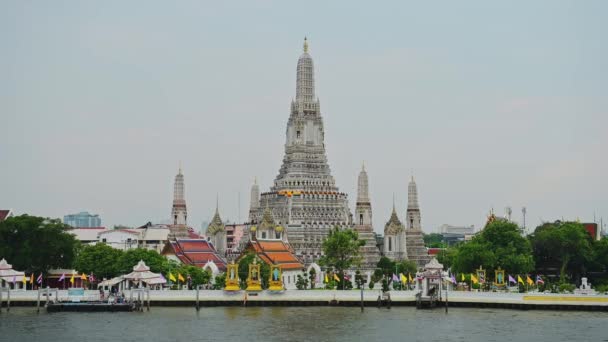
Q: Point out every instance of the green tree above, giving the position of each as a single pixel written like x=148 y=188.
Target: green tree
x=600 y=254
x=341 y=251
x=565 y=243
x=130 y=258
x=406 y=267
x=36 y=244
x=301 y=282
x=219 y=282
x=100 y=259
x=198 y=276
x=499 y=244
x=433 y=240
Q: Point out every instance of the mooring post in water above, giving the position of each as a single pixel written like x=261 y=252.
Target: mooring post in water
x=38 y=302
x=197 y=297
x=148 y=293
x=8 y=299
x=446 y=298
x=362 y=298
x=1 y=289
x=46 y=303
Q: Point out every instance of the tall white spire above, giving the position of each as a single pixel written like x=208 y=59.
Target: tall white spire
x=179 y=214
x=362 y=186
x=254 y=201
x=413 y=210
x=305 y=83
x=363 y=209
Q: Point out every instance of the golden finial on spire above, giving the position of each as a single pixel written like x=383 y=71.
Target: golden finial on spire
x=305 y=45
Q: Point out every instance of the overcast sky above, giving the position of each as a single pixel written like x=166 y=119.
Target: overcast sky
x=490 y=104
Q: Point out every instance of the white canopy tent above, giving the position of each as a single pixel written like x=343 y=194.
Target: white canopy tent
x=141 y=273
x=8 y=274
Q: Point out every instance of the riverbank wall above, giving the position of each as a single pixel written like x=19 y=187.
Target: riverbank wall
x=208 y=298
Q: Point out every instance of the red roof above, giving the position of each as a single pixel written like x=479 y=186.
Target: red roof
x=276 y=253
x=195 y=252
x=434 y=251
x=4 y=214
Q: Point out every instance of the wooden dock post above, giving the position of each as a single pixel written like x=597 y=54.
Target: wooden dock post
x=148 y=293
x=1 y=289
x=38 y=302
x=198 y=287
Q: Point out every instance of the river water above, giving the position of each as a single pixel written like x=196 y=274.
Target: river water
x=305 y=324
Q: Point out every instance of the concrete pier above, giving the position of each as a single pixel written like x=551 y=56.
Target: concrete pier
x=206 y=298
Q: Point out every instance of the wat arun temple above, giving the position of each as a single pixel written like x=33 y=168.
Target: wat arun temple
x=305 y=198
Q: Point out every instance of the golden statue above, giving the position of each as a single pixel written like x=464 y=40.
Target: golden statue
x=232 y=278
x=275 y=280
x=499 y=279
x=254 y=280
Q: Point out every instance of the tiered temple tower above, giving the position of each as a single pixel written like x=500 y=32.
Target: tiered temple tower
x=216 y=232
x=395 y=245
x=179 y=214
x=178 y=210
x=416 y=251
x=254 y=203
x=304 y=197
x=363 y=223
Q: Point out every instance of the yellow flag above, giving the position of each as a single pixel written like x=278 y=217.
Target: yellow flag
x=461 y=276
x=519 y=280
x=180 y=277
x=474 y=279
x=411 y=279
x=336 y=277
x=326 y=279
x=72 y=279
x=403 y=278
x=529 y=281
x=172 y=277
x=32 y=278
x=24 y=279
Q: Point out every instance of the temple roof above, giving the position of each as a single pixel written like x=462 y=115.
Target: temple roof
x=393 y=225
x=275 y=253
x=216 y=224
x=195 y=252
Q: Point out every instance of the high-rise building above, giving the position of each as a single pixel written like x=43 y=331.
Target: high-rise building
x=304 y=197
x=363 y=224
x=82 y=220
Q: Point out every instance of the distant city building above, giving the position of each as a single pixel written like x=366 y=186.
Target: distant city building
x=152 y=237
x=455 y=234
x=234 y=234
x=593 y=229
x=5 y=213
x=82 y=220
